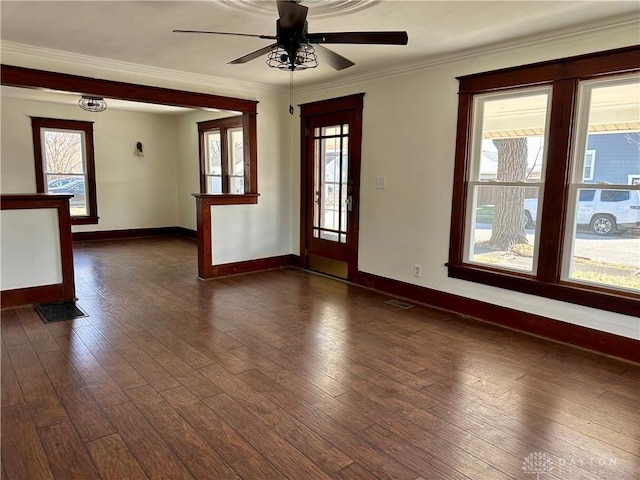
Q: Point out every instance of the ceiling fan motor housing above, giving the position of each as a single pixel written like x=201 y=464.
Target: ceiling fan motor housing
x=290 y=39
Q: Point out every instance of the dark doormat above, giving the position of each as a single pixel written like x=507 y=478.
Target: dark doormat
x=59 y=311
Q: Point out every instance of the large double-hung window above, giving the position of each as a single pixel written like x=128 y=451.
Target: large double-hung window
x=65 y=164
x=533 y=210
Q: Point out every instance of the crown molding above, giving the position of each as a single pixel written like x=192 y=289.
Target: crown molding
x=70 y=61
x=554 y=36
x=32 y=53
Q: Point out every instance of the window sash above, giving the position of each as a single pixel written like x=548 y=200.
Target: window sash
x=581 y=135
x=475 y=183
x=40 y=126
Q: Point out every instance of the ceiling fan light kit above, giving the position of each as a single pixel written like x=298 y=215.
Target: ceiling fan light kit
x=306 y=57
x=92 y=104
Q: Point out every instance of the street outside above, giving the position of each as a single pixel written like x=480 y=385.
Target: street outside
x=614 y=250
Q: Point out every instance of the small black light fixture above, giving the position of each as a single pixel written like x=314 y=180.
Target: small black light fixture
x=139 y=149
x=92 y=104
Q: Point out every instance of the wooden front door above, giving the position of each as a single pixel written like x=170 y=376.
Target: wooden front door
x=331 y=142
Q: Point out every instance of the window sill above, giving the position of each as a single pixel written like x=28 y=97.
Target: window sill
x=227 y=198
x=84 y=220
x=580 y=294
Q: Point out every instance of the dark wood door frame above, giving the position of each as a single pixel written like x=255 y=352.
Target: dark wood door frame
x=341 y=104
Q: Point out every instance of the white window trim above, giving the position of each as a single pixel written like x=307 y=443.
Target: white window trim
x=580 y=140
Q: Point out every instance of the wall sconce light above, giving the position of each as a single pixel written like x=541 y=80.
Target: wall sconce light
x=139 y=149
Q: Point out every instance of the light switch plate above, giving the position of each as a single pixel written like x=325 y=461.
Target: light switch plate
x=381 y=183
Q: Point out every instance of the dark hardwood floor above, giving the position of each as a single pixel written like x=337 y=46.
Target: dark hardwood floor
x=287 y=374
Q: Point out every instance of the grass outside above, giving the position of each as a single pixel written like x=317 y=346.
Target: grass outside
x=607 y=274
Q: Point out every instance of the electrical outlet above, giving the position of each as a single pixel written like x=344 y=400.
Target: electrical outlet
x=417 y=270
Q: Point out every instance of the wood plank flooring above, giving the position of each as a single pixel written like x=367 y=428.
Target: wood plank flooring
x=287 y=374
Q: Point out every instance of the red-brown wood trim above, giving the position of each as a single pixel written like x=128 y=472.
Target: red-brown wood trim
x=460 y=180
x=87 y=127
x=203 y=220
x=306 y=212
x=602 y=342
x=32 y=78
x=250 y=149
x=61 y=204
x=355 y=159
x=228 y=198
x=134 y=233
x=592 y=64
x=30 y=295
x=557 y=179
x=249 y=266
x=350 y=102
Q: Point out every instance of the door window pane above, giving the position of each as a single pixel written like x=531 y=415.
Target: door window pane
x=507 y=179
x=330 y=181
x=604 y=223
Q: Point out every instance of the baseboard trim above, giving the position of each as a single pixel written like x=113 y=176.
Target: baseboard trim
x=250 y=266
x=601 y=342
x=134 y=233
x=29 y=295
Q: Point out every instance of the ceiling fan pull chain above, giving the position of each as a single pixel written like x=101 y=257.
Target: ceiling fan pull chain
x=291 y=92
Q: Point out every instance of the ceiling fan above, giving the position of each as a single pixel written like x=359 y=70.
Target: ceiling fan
x=293 y=49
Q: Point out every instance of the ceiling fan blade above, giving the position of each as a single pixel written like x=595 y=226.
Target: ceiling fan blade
x=292 y=14
x=250 y=56
x=267 y=37
x=376 y=38
x=333 y=59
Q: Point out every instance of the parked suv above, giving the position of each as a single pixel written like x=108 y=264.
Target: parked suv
x=604 y=211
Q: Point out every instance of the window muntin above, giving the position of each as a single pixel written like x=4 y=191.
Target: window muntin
x=64 y=161
x=223 y=167
x=507 y=172
x=612 y=106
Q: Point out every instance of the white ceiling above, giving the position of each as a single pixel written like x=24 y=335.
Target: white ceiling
x=140 y=31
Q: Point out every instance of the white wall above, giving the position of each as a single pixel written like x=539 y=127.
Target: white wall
x=132 y=191
x=409 y=135
x=30 y=258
